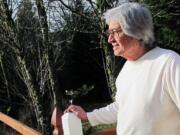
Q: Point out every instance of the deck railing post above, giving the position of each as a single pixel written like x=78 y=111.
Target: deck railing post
x=71 y=124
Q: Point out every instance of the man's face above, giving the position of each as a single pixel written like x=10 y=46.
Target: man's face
x=120 y=42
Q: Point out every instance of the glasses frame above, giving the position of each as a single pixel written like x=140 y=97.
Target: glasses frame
x=113 y=31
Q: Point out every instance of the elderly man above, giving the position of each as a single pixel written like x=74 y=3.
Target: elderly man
x=148 y=87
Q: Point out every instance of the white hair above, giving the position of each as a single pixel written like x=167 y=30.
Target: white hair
x=135 y=20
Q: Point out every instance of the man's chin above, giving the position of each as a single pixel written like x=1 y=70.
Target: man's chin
x=116 y=53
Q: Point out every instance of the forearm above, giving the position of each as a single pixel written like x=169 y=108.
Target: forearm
x=105 y=115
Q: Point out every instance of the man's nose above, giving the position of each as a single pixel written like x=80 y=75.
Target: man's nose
x=110 y=38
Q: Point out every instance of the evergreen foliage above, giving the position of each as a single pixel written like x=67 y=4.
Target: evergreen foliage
x=166 y=15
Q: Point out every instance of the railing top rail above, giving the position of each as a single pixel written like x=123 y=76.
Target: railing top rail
x=18 y=126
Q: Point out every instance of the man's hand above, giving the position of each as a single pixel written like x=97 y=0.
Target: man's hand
x=78 y=111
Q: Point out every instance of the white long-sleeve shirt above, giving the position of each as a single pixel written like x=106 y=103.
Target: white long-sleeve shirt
x=148 y=96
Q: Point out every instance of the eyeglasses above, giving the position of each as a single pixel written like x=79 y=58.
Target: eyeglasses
x=113 y=31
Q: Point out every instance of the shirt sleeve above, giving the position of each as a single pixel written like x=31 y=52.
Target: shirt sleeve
x=105 y=115
x=173 y=79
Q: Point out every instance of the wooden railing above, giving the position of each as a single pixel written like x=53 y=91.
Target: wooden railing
x=60 y=122
x=18 y=126
x=71 y=125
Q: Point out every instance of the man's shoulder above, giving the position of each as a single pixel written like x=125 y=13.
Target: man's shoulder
x=167 y=53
